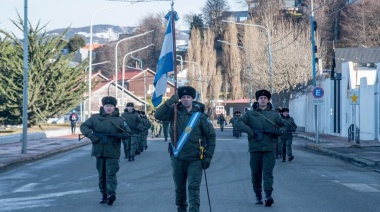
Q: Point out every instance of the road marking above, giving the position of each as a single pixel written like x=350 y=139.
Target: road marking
x=27 y=187
x=360 y=187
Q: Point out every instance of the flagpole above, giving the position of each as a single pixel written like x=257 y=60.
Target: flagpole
x=175 y=136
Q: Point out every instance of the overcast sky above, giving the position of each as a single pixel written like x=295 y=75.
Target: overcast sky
x=77 y=13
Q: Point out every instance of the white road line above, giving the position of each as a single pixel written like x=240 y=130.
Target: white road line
x=360 y=187
x=27 y=187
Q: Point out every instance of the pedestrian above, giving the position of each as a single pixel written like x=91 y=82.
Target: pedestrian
x=261 y=125
x=286 y=139
x=278 y=150
x=235 y=131
x=193 y=132
x=134 y=122
x=73 y=121
x=165 y=127
x=221 y=121
x=105 y=130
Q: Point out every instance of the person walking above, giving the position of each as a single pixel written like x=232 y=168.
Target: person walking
x=134 y=122
x=286 y=140
x=195 y=132
x=261 y=125
x=235 y=131
x=221 y=121
x=105 y=130
x=165 y=127
x=73 y=122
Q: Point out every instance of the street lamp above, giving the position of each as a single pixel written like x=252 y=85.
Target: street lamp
x=90 y=56
x=269 y=51
x=200 y=75
x=89 y=90
x=123 y=74
x=141 y=67
x=117 y=44
x=250 y=68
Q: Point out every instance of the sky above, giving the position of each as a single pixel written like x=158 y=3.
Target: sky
x=77 y=13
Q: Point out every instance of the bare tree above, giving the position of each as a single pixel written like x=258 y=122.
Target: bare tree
x=360 y=24
x=194 y=56
x=232 y=61
x=213 y=12
x=208 y=65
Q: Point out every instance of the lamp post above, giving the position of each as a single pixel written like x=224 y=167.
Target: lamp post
x=269 y=51
x=123 y=74
x=250 y=68
x=199 y=77
x=25 y=82
x=90 y=51
x=89 y=91
x=117 y=44
x=141 y=67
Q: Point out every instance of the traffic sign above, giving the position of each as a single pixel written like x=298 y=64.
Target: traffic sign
x=318 y=92
x=317 y=101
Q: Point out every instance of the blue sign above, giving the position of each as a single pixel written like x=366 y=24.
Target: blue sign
x=318 y=92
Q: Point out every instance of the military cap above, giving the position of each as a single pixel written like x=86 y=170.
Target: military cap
x=109 y=100
x=187 y=90
x=130 y=104
x=285 y=110
x=263 y=93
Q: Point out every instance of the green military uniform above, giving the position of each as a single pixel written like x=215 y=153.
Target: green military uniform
x=262 y=150
x=221 y=121
x=144 y=132
x=187 y=166
x=286 y=140
x=155 y=128
x=165 y=127
x=105 y=132
x=134 y=122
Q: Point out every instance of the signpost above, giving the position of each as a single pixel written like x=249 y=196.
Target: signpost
x=318 y=93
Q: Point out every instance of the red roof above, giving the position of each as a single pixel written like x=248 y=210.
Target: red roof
x=94 y=46
x=236 y=101
x=129 y=74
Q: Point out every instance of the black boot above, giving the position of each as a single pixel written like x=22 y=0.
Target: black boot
x=259 y=199
x=291 y=158
x=133 y=158
x=129 y=159
x=111 y=198
x=104 y=199
x=268 y=199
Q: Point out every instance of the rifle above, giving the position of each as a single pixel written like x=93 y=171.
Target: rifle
x=104 y=137
x=80 y=137
x=277 y=132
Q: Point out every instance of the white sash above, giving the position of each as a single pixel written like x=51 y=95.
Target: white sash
x=185 y=134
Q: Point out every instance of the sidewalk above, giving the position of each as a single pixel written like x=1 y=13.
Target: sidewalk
x=367 y=153
x=10 y=153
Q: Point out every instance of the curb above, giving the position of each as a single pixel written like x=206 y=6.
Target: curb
x=345 y=157
x=44 y=154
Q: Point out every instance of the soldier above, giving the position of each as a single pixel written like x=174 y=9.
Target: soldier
x=221 y=121
x=134 y=122
x=105 y=130
x=278 y=150
x=235 y=131
x=261 y=125
x=144 y=132
x=192 y=125
x=286 y=139
x=165 y=127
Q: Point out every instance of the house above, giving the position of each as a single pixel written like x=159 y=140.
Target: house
x=358 y=75
x=241 y=105
x=134 y=83
x=104 y=87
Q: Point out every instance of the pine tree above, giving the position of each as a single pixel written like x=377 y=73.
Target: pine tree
x=54 y=87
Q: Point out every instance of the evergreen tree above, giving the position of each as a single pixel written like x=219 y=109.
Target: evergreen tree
x=54 y=87
x=75 y=43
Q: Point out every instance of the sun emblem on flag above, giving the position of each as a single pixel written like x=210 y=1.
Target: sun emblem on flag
x=188 y=129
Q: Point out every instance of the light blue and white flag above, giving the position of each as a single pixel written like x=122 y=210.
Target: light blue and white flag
x=166 y=61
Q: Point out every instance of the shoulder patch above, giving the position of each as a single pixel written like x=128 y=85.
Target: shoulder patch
x=208 y=120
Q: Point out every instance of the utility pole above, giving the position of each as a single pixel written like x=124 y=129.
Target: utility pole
x=313 y=61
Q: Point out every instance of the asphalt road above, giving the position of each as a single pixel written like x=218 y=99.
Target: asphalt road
x=68 y=182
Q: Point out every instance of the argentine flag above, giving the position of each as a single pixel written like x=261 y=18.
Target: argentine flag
x=165 y=63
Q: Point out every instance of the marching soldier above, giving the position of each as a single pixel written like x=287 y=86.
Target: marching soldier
x=165 y=127
x=286 y=140
x=193 y=131
x=144 y=132
x=261 y=125
x=105 y=130
x=134 y=122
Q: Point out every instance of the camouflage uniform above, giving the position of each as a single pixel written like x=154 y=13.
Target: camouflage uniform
x=107 y=151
